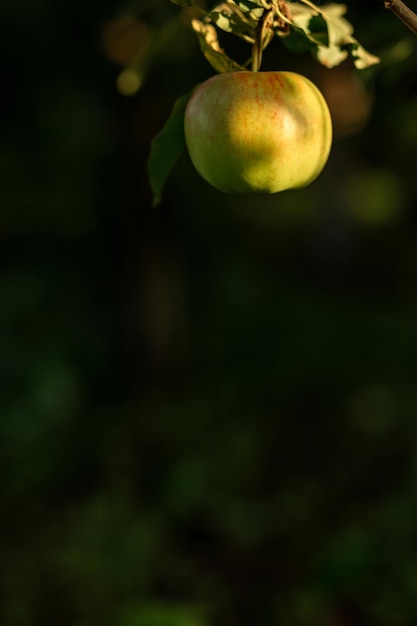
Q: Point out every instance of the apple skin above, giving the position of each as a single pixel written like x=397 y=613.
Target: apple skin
x=259 y=132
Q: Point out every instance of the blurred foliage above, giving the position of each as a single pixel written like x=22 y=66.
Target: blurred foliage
x=207 y=410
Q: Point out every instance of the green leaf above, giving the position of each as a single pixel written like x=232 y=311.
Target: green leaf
x=210 y=47
x=296 y=42
x=361 y=57
x=341 y=35
x=330 y=32
x=318 y=29
x=231 y=19
x=254 y=7
x=166 y=148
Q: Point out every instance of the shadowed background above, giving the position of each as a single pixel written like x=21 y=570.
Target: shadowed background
x=208 y=409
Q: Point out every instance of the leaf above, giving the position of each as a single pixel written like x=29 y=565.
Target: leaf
x=341 y=35
x=231 y=19
x=310 y=23
x=253 y=7
x=296 y=42
x=166 y=148
x=330 y=56
x=318 y=29
x=210 y=47
x=361 y=57
x=330 y=32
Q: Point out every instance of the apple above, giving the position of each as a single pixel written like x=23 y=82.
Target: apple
x=258 y=131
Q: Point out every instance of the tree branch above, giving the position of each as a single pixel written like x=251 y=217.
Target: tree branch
x=402 y=11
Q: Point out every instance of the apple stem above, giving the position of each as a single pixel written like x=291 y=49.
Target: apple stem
x=403 y=12
x=263 y=37
x=257 y=52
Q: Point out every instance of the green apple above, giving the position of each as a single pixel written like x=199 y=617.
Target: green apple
x=258 y=131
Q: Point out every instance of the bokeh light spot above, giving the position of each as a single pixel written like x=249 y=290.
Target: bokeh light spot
x=129 y=82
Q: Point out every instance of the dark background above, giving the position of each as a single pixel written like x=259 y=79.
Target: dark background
x=207 y=410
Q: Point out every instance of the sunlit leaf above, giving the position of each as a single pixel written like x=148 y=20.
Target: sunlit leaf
x=166 y=148
x=254 y=7
x=330 y=56
x=361 y=57
x=330 y=32
x=210 y=47
x=341 y=34
x=228 y=17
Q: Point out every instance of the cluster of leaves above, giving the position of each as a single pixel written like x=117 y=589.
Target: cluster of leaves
x=300 y=25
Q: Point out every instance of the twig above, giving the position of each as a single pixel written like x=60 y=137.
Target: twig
x=263 y=36
x=402 y=11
